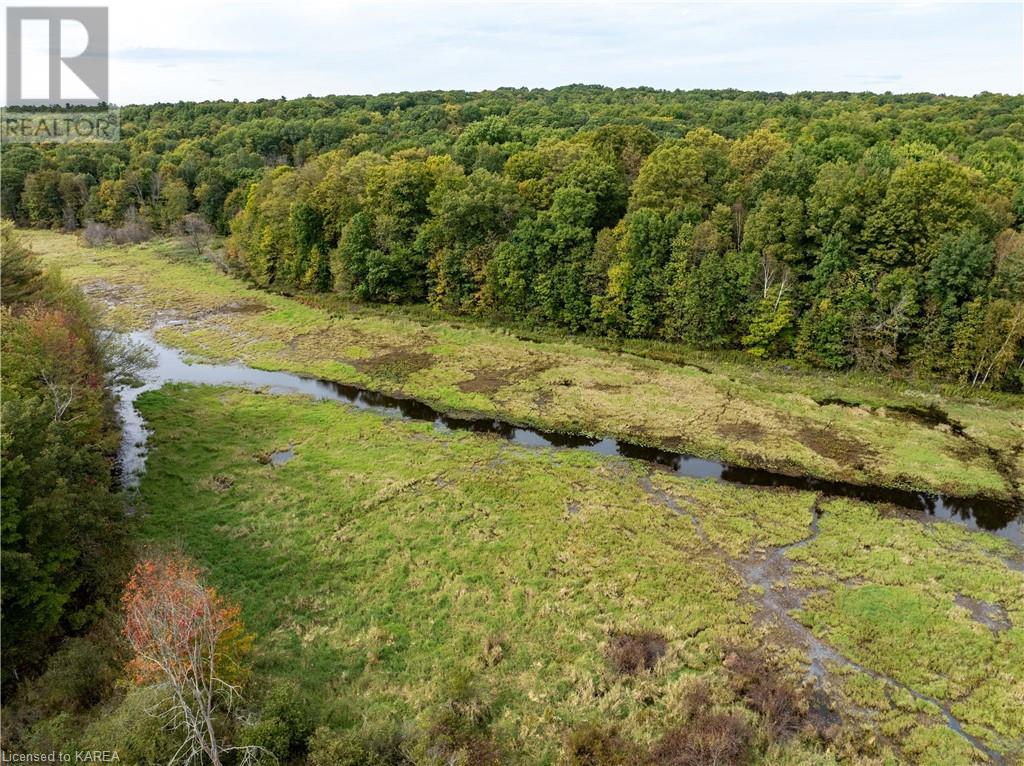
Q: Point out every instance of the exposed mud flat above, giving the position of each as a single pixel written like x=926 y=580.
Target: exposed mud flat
x=395 y=365
x=844 y=450
x=996 y=516
x=492 y=380
x=992 y=616
x=745 y=430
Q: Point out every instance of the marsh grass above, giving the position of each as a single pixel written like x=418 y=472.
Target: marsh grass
x=752 y=415
x=386 y=559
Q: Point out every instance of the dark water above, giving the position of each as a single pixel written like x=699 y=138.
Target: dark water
x=930 y=415
x=1002 y=518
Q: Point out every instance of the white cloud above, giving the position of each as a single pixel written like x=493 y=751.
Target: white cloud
x=195 y=50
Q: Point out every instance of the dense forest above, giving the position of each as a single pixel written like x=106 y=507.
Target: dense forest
x=65 y=546
x=844 y=230
x=839 y=231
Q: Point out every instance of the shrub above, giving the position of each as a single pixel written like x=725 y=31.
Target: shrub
x=78 y=676
x=81 y=673
x=780 y=705
x=594 y=744
x=132 y=729
x=768 y=691
x=56 y=733
x=459 y=728
x=134 y=230
x=493 y=649
x=629 y=653
x=330 y=748
x=356 y=748
x=284 y=703
x=285 y=723
x=95 y=233
x=710 y=739
x=270 y=734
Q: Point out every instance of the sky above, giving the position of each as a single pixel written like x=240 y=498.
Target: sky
x=206 y=49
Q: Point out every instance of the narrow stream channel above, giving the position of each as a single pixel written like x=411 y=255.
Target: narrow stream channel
x=170 y=366
x=772 y=575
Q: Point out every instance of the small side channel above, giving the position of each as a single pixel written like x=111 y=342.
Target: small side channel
x=1001 y=518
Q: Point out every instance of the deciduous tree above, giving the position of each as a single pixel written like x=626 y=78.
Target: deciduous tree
x=189 y=640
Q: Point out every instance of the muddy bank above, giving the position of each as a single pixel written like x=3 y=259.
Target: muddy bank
x=995 y=516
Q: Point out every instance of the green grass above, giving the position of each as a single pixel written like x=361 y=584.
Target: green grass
x=383 y=555
x=380 y=558
x=886 y=596
x=758 y=416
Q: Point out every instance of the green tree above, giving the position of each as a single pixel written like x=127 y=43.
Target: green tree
x=924 y=200
x=470 y=215
x=42 y=199
x=636 y=282
x=20 y=272
x=307 y=235
x=63 y=539
x=19 y=161
x=685 y=177
x=771 y=329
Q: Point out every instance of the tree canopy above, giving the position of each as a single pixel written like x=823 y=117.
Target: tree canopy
x=849 y=230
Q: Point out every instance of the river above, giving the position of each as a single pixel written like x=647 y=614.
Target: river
x=999 y=517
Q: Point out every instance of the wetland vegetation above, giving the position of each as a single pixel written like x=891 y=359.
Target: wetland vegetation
x=830 y=426
x=585 y=427
x=500 y=603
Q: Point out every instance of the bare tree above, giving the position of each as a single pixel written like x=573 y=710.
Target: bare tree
x=1009 y=333
x=134 y=229
x=773 y=274
x=739 y=219
x=62 y=394
x=876 y=334
x=70 y=218
x=156 y=186
x=196 y=232
x=123 y=359
x=188 y=640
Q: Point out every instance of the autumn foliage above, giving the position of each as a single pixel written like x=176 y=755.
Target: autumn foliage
x=189 y=639
x=62 y=535
x=177 y=625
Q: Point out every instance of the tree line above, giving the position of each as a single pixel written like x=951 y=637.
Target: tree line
x=846 y=230
x=75 y=614
x=65 y=544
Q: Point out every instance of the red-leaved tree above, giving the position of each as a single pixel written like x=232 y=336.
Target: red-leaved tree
x=190 y=640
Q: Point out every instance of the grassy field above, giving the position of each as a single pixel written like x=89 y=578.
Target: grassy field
x=747 y=415
x=384 y=557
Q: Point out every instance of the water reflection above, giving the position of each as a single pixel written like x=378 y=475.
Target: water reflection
x=975 y=513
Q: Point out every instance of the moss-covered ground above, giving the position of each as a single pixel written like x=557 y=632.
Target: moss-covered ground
x=755 y=416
